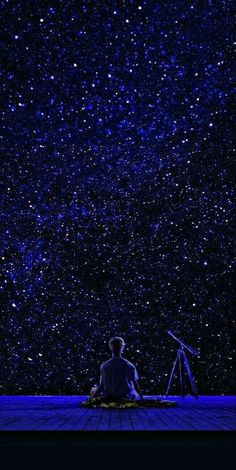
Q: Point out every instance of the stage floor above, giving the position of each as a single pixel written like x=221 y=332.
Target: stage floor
x=62 y=413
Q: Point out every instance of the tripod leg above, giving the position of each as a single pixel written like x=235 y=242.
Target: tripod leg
x=182 y=374
x=172 y=375
x=184 y=380
x=190 y=375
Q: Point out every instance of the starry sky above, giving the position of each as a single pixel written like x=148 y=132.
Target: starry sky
x=117 y=191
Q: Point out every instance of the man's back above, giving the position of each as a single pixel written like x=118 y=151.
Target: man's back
x=118 y=376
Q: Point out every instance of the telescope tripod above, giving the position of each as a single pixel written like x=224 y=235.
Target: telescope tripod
x=181 y=361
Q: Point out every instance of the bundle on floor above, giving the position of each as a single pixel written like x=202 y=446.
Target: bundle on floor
x=102 y=402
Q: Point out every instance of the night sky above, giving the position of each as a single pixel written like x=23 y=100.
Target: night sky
x=117 y=207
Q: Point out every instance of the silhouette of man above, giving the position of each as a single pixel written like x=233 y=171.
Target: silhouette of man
x=118 y=377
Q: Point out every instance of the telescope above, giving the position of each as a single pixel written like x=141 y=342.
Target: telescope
x=181 y=367
x=183 y=345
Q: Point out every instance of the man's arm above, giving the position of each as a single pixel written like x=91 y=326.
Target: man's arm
x=100 y=387
x=138 y=389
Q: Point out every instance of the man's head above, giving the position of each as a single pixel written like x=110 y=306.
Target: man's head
x=116 y=345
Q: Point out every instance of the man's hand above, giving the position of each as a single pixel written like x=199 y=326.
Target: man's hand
x=96 y=391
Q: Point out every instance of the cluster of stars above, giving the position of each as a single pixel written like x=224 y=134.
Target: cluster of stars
x=117 y=203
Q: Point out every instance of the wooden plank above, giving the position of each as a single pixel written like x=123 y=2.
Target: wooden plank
x=64 y=413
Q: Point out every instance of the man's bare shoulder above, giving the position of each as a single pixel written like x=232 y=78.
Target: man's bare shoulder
x=128 y=363
x=122 y=361
x=106 y=363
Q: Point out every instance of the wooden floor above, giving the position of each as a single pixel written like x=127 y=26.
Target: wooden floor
x=62 y=413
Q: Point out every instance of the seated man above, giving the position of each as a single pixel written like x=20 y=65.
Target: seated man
x=118 y=377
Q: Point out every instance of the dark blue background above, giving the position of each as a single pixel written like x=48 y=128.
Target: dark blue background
x=117 y=204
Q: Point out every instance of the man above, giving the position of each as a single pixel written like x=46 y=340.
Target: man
x=118 y=377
